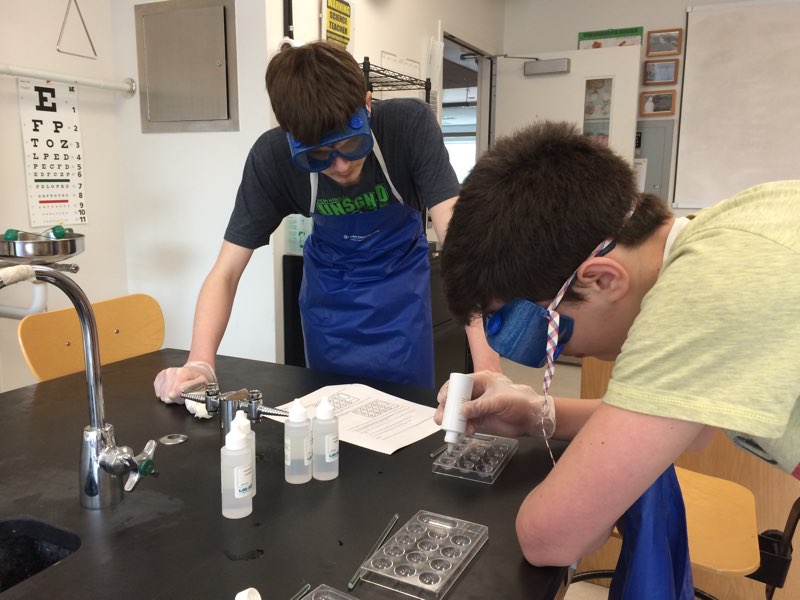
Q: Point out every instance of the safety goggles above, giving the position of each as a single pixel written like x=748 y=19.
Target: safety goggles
x=523 y=331
x=352 y=143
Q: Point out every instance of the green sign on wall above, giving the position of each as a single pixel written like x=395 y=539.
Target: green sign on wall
x=606 y=38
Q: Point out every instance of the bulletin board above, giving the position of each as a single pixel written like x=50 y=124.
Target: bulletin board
x=739 y=101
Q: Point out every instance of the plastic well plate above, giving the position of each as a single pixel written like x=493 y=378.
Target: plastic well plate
x=478 y=457
x=426 y=556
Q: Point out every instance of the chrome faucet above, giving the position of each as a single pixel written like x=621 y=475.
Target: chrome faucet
x=103 y=464
x=227 y=403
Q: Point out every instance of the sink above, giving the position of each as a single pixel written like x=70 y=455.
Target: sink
x=28 y=546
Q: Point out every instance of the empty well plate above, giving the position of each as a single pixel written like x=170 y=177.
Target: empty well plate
x=426 y=556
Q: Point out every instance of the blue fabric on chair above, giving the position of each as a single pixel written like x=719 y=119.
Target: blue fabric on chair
x=654 y=560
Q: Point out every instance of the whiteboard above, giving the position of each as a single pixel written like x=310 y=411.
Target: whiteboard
x=740 y=114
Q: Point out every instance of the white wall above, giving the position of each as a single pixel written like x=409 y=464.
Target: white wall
x=29 y=30
x=551 y=26
x=545 y=26
x=177 y=190
x=160 y=202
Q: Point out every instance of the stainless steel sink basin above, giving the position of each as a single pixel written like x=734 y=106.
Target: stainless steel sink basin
x=28 y=546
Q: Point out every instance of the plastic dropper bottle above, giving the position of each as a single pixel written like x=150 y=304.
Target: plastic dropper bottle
x=243 y=423
x=325 y=430
x=297 y=444
x=453 y=421
x=237 y=476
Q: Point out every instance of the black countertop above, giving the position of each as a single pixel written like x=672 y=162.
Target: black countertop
x=168 y=539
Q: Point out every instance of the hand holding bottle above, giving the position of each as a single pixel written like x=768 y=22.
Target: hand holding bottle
x=502 y=407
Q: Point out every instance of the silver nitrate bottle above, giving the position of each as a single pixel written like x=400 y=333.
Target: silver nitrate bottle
x=297 y=444
x=453 y=421
x=243 y=423
x=325 y=431
x=236 y=475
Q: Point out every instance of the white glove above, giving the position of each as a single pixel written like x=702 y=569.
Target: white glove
x=170 y=382
x=505 y=408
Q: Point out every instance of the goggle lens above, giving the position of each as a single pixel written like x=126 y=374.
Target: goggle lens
x=353 y=143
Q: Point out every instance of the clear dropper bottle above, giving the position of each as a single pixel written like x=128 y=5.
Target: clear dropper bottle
x=243 y=423
x=297 y=444
x=325 y=431
x=237 y=476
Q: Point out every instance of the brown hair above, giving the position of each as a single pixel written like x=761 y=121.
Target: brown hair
x=314 y=89
x=532 y=210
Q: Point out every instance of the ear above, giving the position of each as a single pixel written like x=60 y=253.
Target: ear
x=368 y=102
x=604 y=276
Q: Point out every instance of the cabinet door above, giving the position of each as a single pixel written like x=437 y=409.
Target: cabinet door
x=521 y=100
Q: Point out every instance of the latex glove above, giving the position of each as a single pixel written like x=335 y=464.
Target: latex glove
x=503 y=407
x=169 y=382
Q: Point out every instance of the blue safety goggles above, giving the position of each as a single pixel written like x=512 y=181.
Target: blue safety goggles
x=352 y=143
x=518 y=332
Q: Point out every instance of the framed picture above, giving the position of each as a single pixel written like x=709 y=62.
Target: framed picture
x=664 y=42
x=660 y=103
x=660 y=72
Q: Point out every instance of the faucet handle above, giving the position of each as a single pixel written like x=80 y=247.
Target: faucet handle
x=143 y=465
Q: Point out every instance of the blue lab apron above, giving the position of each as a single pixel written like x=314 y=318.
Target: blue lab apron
x=654 y=560
x=365 y=300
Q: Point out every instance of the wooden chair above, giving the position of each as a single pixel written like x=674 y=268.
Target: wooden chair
x=722 y=487
x=126 y=326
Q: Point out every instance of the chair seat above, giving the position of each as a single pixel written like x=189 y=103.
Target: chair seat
x=721 y=522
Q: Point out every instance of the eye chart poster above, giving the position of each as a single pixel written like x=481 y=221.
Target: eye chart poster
x=51 y=137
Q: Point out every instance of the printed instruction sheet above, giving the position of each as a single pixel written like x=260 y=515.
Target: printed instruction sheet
x=372 y=419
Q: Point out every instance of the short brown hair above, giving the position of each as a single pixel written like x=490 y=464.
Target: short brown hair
x=314 y=89
x=532 y=210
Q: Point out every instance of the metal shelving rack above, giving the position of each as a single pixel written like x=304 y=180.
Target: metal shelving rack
x=380 y=80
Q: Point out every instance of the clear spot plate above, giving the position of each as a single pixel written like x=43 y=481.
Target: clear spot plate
x=426 y=556
x=478 y=457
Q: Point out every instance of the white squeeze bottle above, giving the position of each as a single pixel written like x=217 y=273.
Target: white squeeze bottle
x=297 y=445
x=243 y=423
x=325 y=430
x=237 y=476
x=453 y=422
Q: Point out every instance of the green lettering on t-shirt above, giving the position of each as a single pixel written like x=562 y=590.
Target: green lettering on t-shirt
x=365 y=202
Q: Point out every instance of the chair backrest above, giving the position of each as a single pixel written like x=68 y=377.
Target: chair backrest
x=127 y=326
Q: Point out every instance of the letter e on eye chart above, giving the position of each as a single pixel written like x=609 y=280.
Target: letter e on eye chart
x=51 y=139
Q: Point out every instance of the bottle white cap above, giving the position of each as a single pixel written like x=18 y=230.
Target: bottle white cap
x=297 y=412
x=248 y=594
x=241 y=422
x=325 y=409
x=235 y=439
x=451 y=436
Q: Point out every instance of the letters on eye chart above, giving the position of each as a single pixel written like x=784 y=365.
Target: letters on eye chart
x=51 y=137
